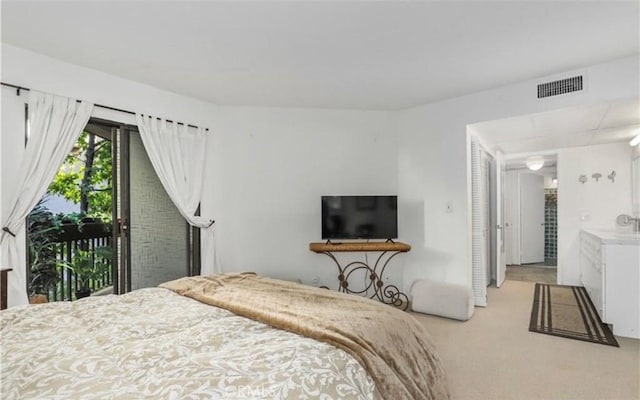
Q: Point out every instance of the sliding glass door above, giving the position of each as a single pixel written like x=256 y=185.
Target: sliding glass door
x=158 y=234
x=154 y=242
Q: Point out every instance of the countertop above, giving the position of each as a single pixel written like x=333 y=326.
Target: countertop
x=615 y=237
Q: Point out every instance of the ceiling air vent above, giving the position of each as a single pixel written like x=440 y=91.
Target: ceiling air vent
x=563 y=86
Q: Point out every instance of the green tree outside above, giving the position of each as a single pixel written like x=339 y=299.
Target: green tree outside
x=85 y=177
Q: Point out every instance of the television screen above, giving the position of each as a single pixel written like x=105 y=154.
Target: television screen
x=359 y=217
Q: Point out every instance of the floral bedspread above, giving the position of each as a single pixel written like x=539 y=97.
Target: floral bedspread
x=155 y=344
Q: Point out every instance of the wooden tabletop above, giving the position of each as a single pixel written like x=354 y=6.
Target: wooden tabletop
x=322 y=247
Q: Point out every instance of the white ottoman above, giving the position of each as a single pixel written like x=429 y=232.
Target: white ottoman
x=442 y=299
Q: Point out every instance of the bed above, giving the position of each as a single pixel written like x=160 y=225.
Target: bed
x=232 y=336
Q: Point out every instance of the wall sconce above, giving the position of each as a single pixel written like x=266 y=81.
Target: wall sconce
x=534 y=163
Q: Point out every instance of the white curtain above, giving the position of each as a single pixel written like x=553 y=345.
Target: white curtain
x=55 y=123
x=178 y=154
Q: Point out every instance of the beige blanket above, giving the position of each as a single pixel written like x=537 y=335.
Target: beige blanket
x=389 y=343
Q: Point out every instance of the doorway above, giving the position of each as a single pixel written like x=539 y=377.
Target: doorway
x=556 y=134
x=513 y=218
x=531 y=198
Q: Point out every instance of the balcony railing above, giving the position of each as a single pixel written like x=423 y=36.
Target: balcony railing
x=67 y=243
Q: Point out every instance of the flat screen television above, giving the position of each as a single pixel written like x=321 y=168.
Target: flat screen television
x=359 y=217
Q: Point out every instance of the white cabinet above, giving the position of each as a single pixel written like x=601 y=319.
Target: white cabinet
x=610 y=272
x=591 y=262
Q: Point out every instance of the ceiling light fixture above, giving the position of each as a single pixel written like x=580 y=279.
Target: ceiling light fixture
x=635 y=141
x=534 y=163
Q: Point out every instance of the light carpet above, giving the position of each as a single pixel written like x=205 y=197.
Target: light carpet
x=494 y=356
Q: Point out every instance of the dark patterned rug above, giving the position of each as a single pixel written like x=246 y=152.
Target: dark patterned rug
x=567 y=311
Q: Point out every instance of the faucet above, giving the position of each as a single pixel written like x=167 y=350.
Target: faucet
x=624 y=219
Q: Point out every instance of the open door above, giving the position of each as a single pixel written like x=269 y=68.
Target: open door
x=501 y=263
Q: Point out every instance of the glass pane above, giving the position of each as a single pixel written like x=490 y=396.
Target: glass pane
x=159 y=250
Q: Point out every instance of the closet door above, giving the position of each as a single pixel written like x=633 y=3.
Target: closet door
x=478 y=226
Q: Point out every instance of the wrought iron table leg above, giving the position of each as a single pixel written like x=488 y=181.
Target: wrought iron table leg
x=389 y=294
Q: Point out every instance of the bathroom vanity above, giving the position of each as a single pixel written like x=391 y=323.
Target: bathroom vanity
x=610 y=272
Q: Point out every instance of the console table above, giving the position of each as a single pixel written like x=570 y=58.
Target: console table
x=389 y=294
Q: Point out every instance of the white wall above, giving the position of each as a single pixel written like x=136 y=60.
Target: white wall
x=275 y=164
x=432 y=155
x=592 y=204
x=548 y=180
x=11 y=149
x=25 y=68
x=267 y=168
x=11 y=140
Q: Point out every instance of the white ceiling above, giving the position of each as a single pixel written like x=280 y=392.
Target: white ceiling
x=568 y=127
x=367 y=55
